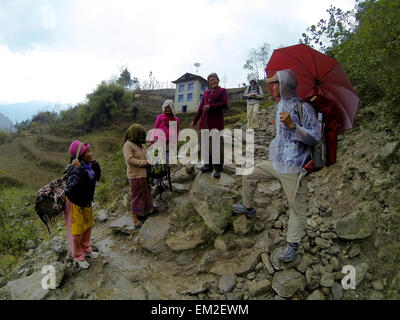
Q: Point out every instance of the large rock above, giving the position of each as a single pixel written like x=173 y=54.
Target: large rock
x=287 y=283
x=181 y=175
x=153 y=233
x=124 y=225
x=244 y=263
x=248 y=259
x=306 y=261
x=258 y=288
x=212 y=199
x=312 y=279
x=184 y=240
x=316 y=295
x=28 y=288
x=223 y=267
x=179 y=188
x=323 y=243
x=226 y=283
x=102 y=215
x=229 y=241
x=353 y=227
x=327 y=280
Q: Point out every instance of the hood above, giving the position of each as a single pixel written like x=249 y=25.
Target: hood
x=170 y=103
x=287 y=84
x=135 y=134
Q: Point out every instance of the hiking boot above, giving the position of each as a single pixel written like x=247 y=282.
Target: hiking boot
x=82 y=264
x=290 y=252
x=142 y=217
x=206 y=168
x=217 y=174
x=92 y=255
x=240 y=208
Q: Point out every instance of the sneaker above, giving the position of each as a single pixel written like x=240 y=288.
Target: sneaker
x=83 y=264
x=290 y=252
x=92 y=255
x=206 y=168
x=240 y=208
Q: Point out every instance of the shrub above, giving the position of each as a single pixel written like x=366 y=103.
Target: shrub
x=3 y=137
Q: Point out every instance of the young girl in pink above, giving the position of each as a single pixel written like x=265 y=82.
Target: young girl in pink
x=162 y=122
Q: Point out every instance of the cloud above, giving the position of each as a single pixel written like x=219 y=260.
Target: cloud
x=49 y=17
x=62 y=49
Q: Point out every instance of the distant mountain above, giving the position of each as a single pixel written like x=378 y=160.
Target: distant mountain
x=5 y=123
x=22 y=111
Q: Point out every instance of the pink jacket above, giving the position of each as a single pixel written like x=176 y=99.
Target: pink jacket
x=162 y=122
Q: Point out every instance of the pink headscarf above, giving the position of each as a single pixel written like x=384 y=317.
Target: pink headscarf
x=73 y=149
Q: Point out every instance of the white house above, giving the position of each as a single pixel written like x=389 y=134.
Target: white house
x=189 y=92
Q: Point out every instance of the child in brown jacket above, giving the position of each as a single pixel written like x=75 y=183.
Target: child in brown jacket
x=135 y=159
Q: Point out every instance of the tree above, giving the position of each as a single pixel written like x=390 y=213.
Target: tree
x=103 y=104
x=256 y=62
x=327 y=34
x=367 y=44
x=125 y=78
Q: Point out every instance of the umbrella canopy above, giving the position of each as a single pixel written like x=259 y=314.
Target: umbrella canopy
x=317 y=74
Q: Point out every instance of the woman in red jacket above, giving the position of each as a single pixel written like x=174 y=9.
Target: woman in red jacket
x=211 y=116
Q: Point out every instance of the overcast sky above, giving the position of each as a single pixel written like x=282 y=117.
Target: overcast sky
x=59 y=50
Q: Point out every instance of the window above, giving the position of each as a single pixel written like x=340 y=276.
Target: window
x=201 y=96
x=180 y=98
x=181 y=87
x=190 y=97
x=190 y=86
x=203 y=87
x=184 y=108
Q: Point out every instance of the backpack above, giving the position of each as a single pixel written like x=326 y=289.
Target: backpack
x=258 y=92
x=324 y=153
x=50 y=199
x=158 y=169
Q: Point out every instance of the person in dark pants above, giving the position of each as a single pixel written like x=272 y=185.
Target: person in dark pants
x=210 y=115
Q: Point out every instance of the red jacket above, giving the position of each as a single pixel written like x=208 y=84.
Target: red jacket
x=214 y=118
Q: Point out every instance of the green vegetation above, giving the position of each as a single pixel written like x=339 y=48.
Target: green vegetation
x=102 y=105
x=367 y=44
x=3 y=137
x=14 y=233
x=366 y=41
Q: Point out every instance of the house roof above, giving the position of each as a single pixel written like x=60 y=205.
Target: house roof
x=189 y=76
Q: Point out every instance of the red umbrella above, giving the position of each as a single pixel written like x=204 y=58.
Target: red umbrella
x=317 y=74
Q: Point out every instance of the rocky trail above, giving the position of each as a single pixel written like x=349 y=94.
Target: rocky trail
x=192 y=247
